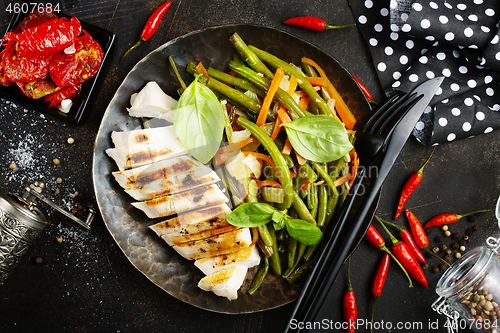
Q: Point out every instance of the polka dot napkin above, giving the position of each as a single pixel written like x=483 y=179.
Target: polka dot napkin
x=413 y=41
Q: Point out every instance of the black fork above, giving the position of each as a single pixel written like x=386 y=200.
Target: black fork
x=371 y=137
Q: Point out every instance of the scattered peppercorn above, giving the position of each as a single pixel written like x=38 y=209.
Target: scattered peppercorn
x=444 y=227
x=443 y=247
x=12 y=166
x=435 y=269
x=71 y=140
x=56 y=191
x=458 y=255
x=466 y=238
x=435 y=249
x=425 y=266
x=443 y=267
x=469 y=232
x=448 y=251
x=59 y=180
x=455 y=245
x=447 y=233
x=455 y=235
x=439 y=239
x=474 y=228
x=462 y=248
x=59 y=239
x=38 y=260
x=447 y=258
x=56 y=161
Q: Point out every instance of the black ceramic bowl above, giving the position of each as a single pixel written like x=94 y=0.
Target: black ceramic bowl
x=83 y=101
x=129 y=226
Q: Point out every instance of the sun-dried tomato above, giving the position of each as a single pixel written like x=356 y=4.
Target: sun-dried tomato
x=38 y=89
x=58 y=96
x=46 y=38
x=36 y=18
x=74 y=68
x=21 y=69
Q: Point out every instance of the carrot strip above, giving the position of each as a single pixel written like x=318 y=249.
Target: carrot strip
x=300 y=159
x=268 y=182
x=287 y=148
x=293 y=85
x=342 y=109
x=255 y=235
x=317 y=81
x=341 y=180
x=225 y=153
x=304 y=101
x=355 y=166
x=201 y=69
x=276 y=129
x=275 y=83
x=245 y=142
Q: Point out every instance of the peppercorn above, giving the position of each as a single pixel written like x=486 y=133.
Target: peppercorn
x=462 y=242
x=12 y=166
x=448 y=251
x=455 y=235
x=444 y=227
x=439 y=239
x=443 y=247
x=447 y=233
x=435 y=269
x=71 y=140
x=59 y=180
x=466 y=238
x=425 y=266
x=462 y=248
x=435 y=249
x=469 y=232
x=458 y=255
x=443 y=267
x=59 y=239
x=455 y=245
x=447 y=258
x=56 y=161
x=474 y=228
x=38 y=260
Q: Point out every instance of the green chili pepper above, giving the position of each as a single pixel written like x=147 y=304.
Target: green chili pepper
x=259 y=278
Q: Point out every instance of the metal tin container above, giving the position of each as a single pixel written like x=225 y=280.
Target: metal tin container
x=20 y=224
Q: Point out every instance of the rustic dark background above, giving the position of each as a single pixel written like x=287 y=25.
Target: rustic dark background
x=86 y=284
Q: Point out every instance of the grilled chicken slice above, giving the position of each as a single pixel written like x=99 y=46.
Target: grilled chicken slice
x=193 y=222
x=145 y=153
x=181 y=202
x=226 y=282
x=248 y=256
x=216 y=245
x=143 y=176
x=147 y=135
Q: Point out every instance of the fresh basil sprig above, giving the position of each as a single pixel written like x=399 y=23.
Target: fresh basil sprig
x=318 y=138
x=255 y=214
x=199 y=121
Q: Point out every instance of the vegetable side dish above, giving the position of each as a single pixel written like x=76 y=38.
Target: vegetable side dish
x=49 y=57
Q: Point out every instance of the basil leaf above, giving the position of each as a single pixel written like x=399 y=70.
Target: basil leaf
x=318 y=138
x=251 y=214
x=304 y=232
x=199 y=121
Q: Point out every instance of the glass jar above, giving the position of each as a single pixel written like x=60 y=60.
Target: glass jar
x=470 y=291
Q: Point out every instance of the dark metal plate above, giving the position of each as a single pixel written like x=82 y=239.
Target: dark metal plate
x=129 y=226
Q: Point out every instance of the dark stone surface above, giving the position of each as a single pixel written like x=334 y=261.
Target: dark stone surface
x=86 y=284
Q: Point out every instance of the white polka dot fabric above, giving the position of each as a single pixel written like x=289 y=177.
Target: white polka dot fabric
x=413 y=41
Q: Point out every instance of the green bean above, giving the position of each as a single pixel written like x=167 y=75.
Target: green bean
x=265 y=235
x=177 y=75
x=300 y=252
x=322 y=205
x=283 y=244
x=228 y=127
x=267 y=250
x=322 y=172
x=312 y=197
x=190 y=69
x=301 y=270
x=310 y=71
x=281 y=96
x=235 y=95
x=259 y=277
x=234 y=81
x=249 y=57
x=301 y=209
x=276 y=62
x=309 y=172
x=330 y=208
x=274 y=260
x=292 y=249
x=276 y=156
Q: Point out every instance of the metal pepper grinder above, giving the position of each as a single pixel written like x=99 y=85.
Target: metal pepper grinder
x=21 y=222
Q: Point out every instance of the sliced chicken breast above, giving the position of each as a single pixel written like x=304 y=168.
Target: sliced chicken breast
x=226 y=282
x=181 y=202
x=248 y=256
x=216 y=245
x=148 y=135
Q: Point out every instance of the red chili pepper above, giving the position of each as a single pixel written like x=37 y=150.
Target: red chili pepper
x=378 y=281
x=151 y=26
x=374 y=237
x=419 y=234
x=448 y=219
x=46 y=38
x=407 y=238
x=349 y=305
x=313 y=23
x=403 y=253
x=411 y=184
x=363 y=88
